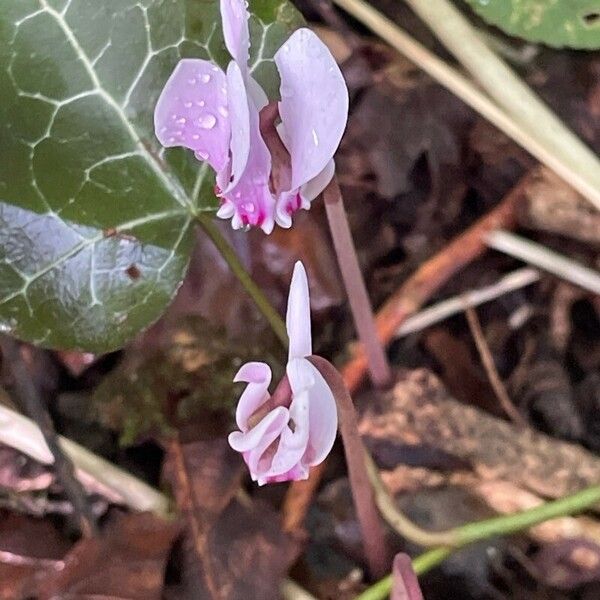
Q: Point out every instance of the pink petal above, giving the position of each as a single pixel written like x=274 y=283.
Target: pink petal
x=235 y=30
x=292 y=444
x=253 y=201
x=314 y=104
x=240 y=124
x=192 y=111
x=259 y=458
x=258 y=377
x=298 y=315
x=322 y=411
x=263 y=434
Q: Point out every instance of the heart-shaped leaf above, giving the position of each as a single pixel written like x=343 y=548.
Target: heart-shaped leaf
x=558 y=23
x=95 y=217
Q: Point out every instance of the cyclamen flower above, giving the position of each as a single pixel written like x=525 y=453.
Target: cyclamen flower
x=217 y=115
x=280 y=443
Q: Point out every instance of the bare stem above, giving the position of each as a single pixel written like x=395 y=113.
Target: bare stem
x=360 y=304
x=231 y=258
x=34 y=405
x=362 y=492
x=490 y=368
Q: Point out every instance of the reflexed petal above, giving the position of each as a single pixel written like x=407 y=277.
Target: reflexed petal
x=190 y=111
x=323 y=419
x=263 y=434
x=322 y=413
x=292 y=444
x=240 y=124
x=258 y=377
x=314 y=104
x=251 y=196
x=235 y=30
x=298 y=315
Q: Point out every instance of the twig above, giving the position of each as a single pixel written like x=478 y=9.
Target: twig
x=356 y=290
x=481 y=530
x=21 y=433
x=362 y=493
x=468 y=92
x=446 y=308
x=490 y=368
x=545 y=259
x=231 y=258
x=416 y=290
x=28 y=395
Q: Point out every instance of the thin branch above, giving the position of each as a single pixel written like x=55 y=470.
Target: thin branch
x=356 y=290
x=543 y=258
x=546 y=152
x=362 y=493
x=231 y=258
x=29 y=397
x=447 y=308
x=481 y=530
x=490 y=368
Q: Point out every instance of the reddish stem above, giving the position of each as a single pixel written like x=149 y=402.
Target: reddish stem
x=360 y=304
x=362 y=493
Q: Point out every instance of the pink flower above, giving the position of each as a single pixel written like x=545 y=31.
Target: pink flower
x=217 y=115
x=280 y=443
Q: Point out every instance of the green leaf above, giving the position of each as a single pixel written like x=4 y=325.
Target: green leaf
x=558 y=23
x=95 y=217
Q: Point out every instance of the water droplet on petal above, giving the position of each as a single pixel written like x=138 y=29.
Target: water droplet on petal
x=249 y=207
x=163 y=129
x=207 y=121
x=174 y=116
x=172 y=140
x=200 y=102
x=223 y=111
x=192 y=81
x=203 y=155
x=205 y=78
x=181 y=120
x=238 y=194
x=195 y=136
x=246 y=228
x=315 y=137
x=286 y=47
x=215 y=69
x=187 y=104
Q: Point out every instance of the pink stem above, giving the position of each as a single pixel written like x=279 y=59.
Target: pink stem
x=360 y=304
x=362 y=493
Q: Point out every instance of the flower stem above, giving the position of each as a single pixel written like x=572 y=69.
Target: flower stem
x=504 y=525
x=231 y=258
x=362 y=492
x=360 y=304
